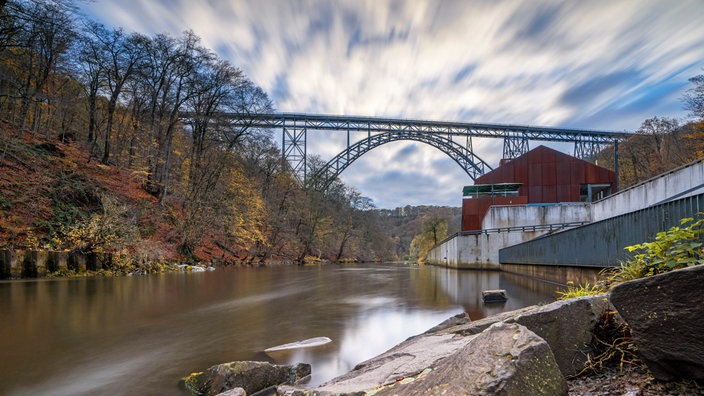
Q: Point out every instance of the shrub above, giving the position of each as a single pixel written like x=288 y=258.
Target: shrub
x=109 y=230
x=678 y=247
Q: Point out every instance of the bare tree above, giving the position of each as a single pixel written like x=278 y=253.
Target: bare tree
x=45 y=34
x=117 y=54
x=694 y=97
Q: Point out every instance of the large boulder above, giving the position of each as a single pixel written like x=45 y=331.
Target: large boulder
x=250 y=376
x=666 y=316
x=565 y=325
x=404 y=360
x=459 y=319
x=505 y=359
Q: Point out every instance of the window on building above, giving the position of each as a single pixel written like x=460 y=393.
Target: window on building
x=593 y=192
x=491 y=190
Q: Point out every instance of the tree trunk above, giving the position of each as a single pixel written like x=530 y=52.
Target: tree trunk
x=112 y=105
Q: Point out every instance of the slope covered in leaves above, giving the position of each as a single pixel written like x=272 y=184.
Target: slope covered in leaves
x=49 y=190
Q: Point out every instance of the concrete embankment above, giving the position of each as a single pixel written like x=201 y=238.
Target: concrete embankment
x=15 y=264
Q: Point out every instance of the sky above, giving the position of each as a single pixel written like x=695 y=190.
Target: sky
x=593 y=64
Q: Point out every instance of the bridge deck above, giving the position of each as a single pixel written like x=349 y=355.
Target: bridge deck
x=377 y=124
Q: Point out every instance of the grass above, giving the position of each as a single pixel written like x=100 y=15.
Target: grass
x=580 y=291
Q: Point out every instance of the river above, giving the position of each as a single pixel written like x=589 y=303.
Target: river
x=139 y=335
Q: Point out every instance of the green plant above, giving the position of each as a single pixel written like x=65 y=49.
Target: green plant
x=678 y=247
x=580 y=291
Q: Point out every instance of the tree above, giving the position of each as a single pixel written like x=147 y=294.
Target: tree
x=694 y=97
x=660 y=135
x=42 y=34
x=118 y=54
x=694 y=102
x=11 y=22
x=91 y=73
x=169 y=76
x=433 y=231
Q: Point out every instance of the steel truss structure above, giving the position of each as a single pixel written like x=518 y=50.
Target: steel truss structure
x=462 y=155
x=438 y=134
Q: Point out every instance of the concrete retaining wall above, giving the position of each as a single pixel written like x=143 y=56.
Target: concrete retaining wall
x=15 y=264
x=478 y=251
x=556 y=274
x=685 y=181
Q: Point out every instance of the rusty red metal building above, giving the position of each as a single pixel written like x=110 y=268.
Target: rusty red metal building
x=542 y=175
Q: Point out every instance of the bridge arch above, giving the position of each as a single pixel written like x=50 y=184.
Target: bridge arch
x=462 y=155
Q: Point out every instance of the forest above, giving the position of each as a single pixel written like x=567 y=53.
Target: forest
x=95 y=155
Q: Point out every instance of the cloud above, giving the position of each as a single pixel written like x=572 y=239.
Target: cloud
x=597 y=64
x=599 y=85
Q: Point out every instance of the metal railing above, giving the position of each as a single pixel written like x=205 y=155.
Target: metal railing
x=525 y=228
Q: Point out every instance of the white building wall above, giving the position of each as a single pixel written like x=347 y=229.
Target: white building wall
x=530 y=215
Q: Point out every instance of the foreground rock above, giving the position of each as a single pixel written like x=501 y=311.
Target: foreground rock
x=505 y=359
x=666 y=317
x=565 y=325
x=251 y=377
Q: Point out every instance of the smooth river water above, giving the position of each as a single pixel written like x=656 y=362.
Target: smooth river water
x=139 y=335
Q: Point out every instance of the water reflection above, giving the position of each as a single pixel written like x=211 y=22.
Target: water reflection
x=140 y=335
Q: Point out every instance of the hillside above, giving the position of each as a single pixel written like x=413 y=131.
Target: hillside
x=403 y=224
x=50 y=189
x=54 y=195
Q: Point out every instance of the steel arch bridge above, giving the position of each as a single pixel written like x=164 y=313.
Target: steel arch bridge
x=464 y=157
x=439 y=134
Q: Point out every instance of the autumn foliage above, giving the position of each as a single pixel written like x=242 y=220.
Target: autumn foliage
x=95 y=154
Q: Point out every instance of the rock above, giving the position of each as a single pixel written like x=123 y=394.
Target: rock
x=404 y=360
x=565 y=325
x=234 y=392
x=461 y=318
x=492 y=296
x=251 y=376
x=505 y=359
x=666 y=318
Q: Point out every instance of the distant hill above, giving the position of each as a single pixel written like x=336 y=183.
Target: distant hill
x=402 y=224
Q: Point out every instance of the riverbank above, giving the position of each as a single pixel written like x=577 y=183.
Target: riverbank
x=31 y=264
